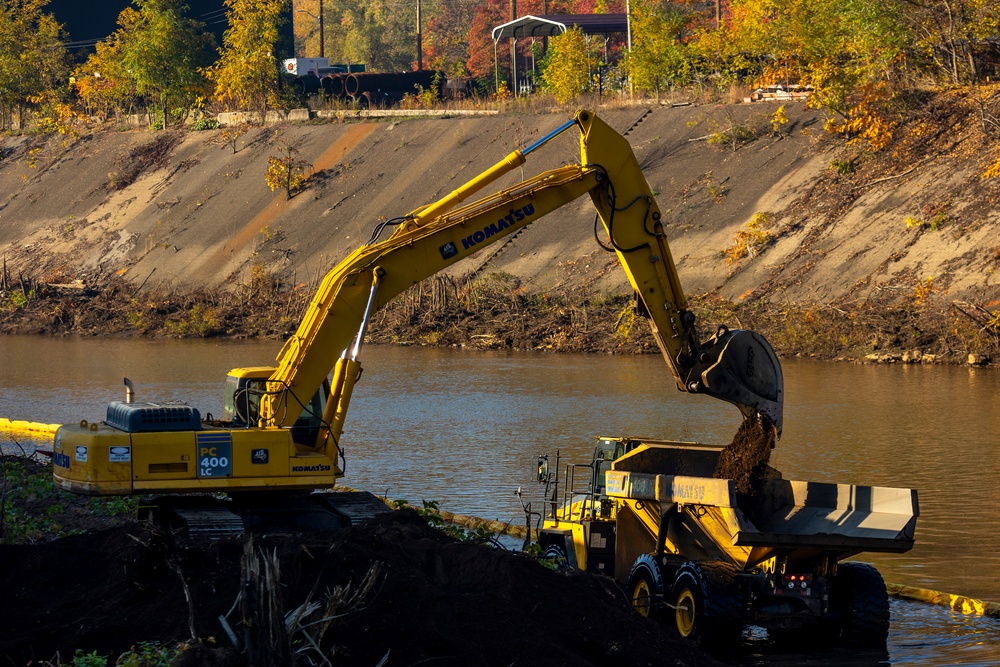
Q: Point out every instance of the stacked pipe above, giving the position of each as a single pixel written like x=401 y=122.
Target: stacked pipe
x=308 y=84
x=387 y=88
x=333 y=85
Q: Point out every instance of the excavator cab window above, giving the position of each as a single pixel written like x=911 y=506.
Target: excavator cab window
x=306 y=428
x=242 y=407
x=243 y=400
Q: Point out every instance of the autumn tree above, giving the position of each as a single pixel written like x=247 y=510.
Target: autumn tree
x=446 y=37
x=480 y=63
x=32 y=59
x=306 y=26
x=953 y=35
x=246 y=74
x=567 y=65
x=103 y=83
x=286 y=171
x=847 y=50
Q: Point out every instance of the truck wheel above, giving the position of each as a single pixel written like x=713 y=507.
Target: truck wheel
x=708 y=602
x=645 y=586
x=863 y=603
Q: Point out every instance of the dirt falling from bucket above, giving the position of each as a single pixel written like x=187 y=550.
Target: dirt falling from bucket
x=744 y=461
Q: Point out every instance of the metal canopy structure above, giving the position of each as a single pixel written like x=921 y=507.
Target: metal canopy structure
x=553 y=25
x=556 y=24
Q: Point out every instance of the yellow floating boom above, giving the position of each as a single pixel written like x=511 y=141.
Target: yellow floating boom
x=26 y=427
x=958 y=603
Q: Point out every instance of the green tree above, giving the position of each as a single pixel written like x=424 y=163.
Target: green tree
x=163 y=53
x=658 y=59
x=32 y=59
x=246 y=74
x=379 y=33
x=567 y=65
x=155 y=55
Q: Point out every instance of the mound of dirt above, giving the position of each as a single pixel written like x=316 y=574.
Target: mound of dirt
x=394 y=591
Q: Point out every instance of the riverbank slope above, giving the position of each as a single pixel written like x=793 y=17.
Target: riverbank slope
x=828 y=249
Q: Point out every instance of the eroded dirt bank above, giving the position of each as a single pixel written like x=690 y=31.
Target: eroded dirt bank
x=827 y=248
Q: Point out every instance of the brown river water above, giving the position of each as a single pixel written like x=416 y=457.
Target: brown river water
x=463 y=428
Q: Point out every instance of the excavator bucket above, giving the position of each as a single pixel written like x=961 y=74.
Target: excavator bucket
x=740 y=366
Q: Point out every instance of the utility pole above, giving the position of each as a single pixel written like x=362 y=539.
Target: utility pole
x=513 y=51
x=545 y=11
x=420 y=46
x=628 y=29
x=322 y=49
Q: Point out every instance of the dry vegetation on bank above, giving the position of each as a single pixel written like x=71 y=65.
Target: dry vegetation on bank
x=495 y=312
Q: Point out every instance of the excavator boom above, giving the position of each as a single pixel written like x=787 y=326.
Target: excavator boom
x=733 y=365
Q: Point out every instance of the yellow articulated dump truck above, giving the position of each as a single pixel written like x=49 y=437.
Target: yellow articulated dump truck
x=279 y=438
x=693 y=552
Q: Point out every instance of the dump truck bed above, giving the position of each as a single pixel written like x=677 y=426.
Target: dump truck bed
x=841 y=518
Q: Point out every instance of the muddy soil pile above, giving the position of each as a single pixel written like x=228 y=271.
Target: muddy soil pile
x=744 y=461
x=392 y=592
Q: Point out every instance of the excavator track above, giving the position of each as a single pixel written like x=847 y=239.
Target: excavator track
x=212 y=517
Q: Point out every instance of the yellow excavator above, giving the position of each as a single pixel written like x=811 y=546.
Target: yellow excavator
x=281 y=427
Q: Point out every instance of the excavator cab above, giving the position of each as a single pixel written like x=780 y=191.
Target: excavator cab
x=246 y=386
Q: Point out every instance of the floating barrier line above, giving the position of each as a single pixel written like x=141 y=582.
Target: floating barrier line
x=20 y=426
x=959 y=603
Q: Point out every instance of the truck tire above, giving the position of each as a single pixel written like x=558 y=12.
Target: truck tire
x=708 y=602
x=556 y=554
x=861 y=599
x=645 y=587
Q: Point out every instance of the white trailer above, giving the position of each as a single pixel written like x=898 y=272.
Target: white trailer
x=303 y=66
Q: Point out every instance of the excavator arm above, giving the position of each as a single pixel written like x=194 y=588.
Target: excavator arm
x=736 y=366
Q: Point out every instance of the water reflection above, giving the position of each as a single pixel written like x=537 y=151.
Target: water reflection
x=919 y=634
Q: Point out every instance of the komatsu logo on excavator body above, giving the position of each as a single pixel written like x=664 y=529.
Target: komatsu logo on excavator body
x=514 y=217
x=313 y=468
